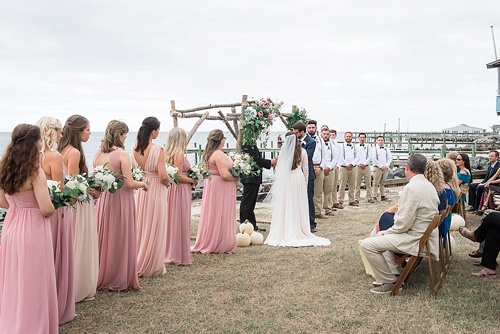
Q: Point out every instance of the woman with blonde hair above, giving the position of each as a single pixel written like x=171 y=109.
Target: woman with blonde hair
x=61 y=221
x=86 y=258
x=178 y=248
x=217 y=227
x=152 y=205
x=116 y=219
x=28 y=297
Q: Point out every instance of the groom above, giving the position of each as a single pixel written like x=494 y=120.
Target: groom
x=309 y=144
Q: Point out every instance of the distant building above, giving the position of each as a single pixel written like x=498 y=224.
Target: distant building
x=464 y=128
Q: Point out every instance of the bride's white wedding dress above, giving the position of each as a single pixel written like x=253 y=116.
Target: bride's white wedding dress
x=290 y=220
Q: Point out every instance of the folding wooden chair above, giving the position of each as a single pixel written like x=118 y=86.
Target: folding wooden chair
x=413 y=261
x=444 y=250
x=459 y=207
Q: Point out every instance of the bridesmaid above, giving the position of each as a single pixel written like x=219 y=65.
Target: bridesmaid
x=152 y=205
x=60 y=222
x=28 y=297
x=75 y=131
x=116 y=221
x=178 y=250
x=217 y=227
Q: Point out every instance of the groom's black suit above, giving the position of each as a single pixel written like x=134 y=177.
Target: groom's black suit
x=310 y=145
x=251 y=186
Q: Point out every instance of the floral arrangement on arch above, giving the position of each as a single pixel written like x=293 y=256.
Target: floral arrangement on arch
x=299 y=114
x=259 y=117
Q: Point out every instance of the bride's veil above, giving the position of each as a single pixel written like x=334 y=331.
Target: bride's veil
x=283 y=168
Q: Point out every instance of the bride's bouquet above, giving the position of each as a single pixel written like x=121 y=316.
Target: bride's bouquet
x=173 y=173
x=57 y=196
x=76 y=186
x=244 y=166
x=103 y=178
x=198 y=173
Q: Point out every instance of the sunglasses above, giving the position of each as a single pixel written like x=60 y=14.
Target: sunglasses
x=457 y=159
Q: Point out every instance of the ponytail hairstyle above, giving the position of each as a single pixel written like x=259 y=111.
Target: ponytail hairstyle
x=20 y=161
x=148 y=125
x=213 y=142
x=72 y=131
x=114 y=131
x=48 y=128
x=297 y=154
x=176 y=143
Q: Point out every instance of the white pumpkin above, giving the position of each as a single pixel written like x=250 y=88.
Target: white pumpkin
x=257 y=238
x=246 y=227
x=456 y=222
x=243 y=240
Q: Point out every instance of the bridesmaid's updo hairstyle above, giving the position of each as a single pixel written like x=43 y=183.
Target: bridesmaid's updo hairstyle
x=114 y=131
x=49 y=127
x=71 y=136
x=213 y=141
x=20 y=161
x=297 y=154
x=176 y=143
x=149 y=124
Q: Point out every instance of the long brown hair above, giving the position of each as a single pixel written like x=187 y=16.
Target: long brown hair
x=71 y=133
x=148 y=125
x=114 y=131
x=213 y=141
x=20 y=161
x=297 y=154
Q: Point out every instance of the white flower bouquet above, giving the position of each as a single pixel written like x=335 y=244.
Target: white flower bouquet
x=57 y=196
x=173 y=173
x=138 y=174
x=198 y=173
x=76 y=186
x=244 y=166
x=103 y=178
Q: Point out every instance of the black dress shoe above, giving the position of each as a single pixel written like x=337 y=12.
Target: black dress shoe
x=313 y=229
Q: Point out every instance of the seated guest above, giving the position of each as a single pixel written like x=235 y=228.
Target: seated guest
x=491 y=187
x=452 y=190
x=489 y=232
x=418 y=204
x=476 y=189
x=464 y=176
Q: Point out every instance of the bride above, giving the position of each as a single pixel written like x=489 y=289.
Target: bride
x=290 y=221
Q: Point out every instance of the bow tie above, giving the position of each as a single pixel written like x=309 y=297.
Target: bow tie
x=361 y=145
x=382 y=148
x=349 y=145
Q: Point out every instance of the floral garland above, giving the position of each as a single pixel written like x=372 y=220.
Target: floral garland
x=259 y=118
x=296 y=116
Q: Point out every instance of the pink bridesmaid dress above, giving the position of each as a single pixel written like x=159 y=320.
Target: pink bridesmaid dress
x=152 y=217
x=217 y=227
x=28 y=297
x=178 y=248
x=116 y=235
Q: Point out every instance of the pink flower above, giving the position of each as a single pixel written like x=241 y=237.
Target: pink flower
x=260 y=113
x=271 y=116
x=264 y=104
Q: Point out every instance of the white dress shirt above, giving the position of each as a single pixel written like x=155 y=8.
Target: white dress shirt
x=381 y=156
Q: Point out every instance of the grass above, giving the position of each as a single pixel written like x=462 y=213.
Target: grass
x=262 y=289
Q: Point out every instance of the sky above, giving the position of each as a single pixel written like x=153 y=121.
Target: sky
x=353 y=65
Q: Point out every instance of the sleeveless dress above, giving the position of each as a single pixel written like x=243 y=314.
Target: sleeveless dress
x=62 y=242
x=217 y=227
x=116 y=235
x=178 y=248
x=290 y=218
x=152 y=217
x=85 y=255
x=28 y=297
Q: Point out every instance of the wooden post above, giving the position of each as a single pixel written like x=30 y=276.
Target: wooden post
x=174 y=113
x=224 y=119
x=235 y=122
x=242 y=122
x=196 y=126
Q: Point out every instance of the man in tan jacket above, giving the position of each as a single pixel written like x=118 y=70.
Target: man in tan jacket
x=418 y=204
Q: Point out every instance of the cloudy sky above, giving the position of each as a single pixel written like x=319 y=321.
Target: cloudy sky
x=354 y=65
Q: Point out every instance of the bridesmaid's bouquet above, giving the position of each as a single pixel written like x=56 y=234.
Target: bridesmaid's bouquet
x=198 y=173
x=173 y=173
x=57 y=196
x=244 y=166
x=138 y=174
x=76 y=186
x=104 y=179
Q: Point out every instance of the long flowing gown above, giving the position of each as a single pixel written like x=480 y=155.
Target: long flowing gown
x=62 y=241
x=28 y=297
x=290 y=220
x=217 y=227
x=178 y=247
x=117 y=233
x=85 y=255
x=152 y=214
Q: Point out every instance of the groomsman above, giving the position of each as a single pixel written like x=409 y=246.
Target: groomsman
x=251 y=186
x=364 y=158
x=324 y=179
x=335 y=176
x=309 y=144
x=347 y=174
x=382 y=159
